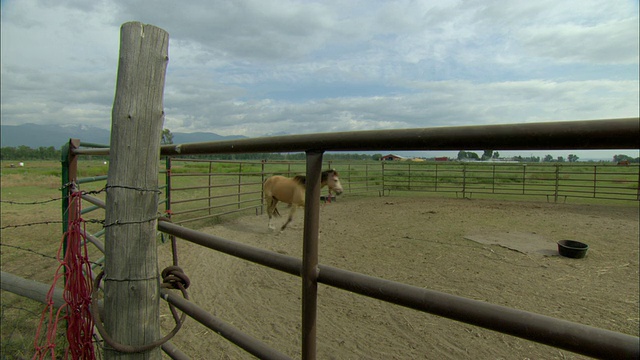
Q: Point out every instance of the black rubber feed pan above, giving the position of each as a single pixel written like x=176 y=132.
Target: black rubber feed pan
x=572 y=249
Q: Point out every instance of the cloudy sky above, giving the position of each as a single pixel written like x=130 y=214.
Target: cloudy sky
x=258 y=67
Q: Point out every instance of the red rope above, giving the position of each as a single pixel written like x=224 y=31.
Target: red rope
x=77 y=295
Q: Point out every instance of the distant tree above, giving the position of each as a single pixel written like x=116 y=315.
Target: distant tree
x=462 y=155
x=487 y=154
x=572 y=158
x=560 y=159
x=548 y=158
x=620 y=157
x=376 y=157
x=167 y=137
x=496 y=155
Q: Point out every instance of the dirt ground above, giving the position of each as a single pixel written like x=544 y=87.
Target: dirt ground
x=426 y=242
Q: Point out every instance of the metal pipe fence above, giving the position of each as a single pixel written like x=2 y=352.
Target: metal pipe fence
x=207 y=188
x=575 y=135
x=553 y=181
x=604 y=134
x=201 y=189
x=547 y=330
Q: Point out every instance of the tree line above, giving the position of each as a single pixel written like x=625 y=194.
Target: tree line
x=50 y=153
x=23 y=152
x=571 y=158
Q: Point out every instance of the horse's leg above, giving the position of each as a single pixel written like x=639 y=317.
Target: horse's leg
x=273 y=207
x=291 y=212
x=272 y=210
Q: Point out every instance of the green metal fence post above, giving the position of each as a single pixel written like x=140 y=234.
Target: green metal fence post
x=555 y=193
x=524 y=178
x=167 y=205
x=595 y=180
x=464 y=180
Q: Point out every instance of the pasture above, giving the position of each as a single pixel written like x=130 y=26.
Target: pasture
x=408 y=237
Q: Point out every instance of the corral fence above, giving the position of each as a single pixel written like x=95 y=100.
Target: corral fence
x=554 y=332
x=559 y=333
x=200 y=188
x=553 y=181
x=203 y=188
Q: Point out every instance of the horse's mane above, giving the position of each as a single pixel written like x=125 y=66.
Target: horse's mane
x=300 y=179
x=325 y=174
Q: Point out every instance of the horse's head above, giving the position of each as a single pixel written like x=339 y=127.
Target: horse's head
x=332 y=181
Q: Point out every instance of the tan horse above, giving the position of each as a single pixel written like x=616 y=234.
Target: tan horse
x=291 y=191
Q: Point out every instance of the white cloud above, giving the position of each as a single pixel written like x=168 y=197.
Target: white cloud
x=608 y=43
x=254 y=67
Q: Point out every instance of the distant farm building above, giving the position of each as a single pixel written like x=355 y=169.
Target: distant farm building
x=444 y=158
x=392 y=157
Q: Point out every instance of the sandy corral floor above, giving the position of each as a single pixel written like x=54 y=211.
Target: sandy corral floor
x=457 y=246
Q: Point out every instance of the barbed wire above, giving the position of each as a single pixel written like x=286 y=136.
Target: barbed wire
x=119 y=222
x=90 y=192
x=30 y=202
x=84 y=192
x=29 y=250
x=89 y=221
x=131 y=188
x=19 y=308
x=41 y=254
x=46 y=222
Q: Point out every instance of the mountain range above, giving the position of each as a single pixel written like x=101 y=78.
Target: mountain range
x=35 y=136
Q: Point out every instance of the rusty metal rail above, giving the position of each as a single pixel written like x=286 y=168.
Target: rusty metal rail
x=244 y=341
x=578 y=338
x=591 y=134
x=587 y=134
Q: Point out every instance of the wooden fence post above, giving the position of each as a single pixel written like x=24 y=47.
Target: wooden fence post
x=131 y=280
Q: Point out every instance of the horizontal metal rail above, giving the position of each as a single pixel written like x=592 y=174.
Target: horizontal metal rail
x=92 y=179
x=244 y=341
x=218 y=214
x=215 y=207
x=38 y=291
x=563 y=334
x=592 y=134
x=94 y=200
x=234 y=185
x=173 y=352
x=219 y=197
x=585 y=134
x=205 y=174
